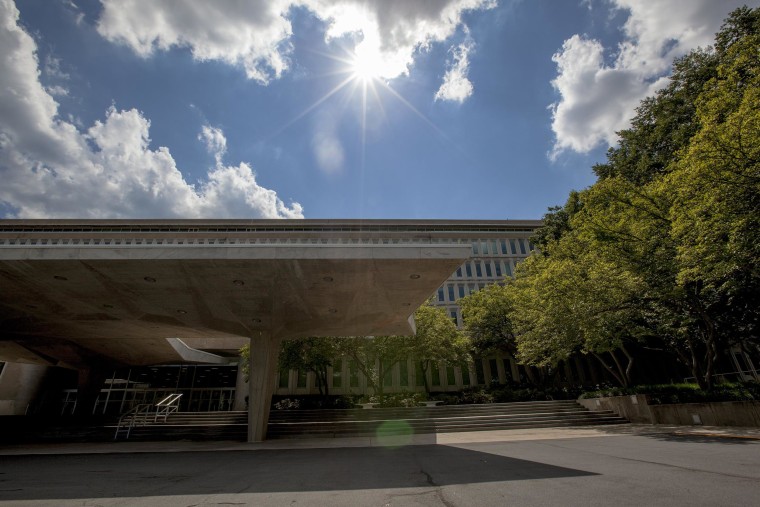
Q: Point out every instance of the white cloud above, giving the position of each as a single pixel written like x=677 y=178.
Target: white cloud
x=49 y=168
x=328 y=150
x=256 y=34
x=456 y=87
x=598 y=99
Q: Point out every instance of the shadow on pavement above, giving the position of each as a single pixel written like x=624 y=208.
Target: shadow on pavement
x=295 y=470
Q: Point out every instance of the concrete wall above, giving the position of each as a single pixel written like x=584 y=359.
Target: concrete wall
x=19 y=385
x=636 y=409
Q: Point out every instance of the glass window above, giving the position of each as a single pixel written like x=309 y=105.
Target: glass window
x=459 y=272
x=338 y=373
x=494 y=247
x=497 y=265
x=387 y=373
x=465 y=375
x=478 y=269
x=461 y=290
x=403 y=369
x=468 y=267
x=419 y=374
x=473 y=288
x=475 y=249
x=522 y=246
x=494 y=371
x=504 y=247
x=451 y=378
x=479 y=373
x=453 y=314
x=507 y=369
x=484 y=247
x=451 y=292
x=440 y=294
x=508 y=268
x=435 y=374
x=514 y=246
x=353 y=374
x=531 y=247
x=284 y=379
x=488 y=269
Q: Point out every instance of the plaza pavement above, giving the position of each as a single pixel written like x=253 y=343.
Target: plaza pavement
x=605 y=465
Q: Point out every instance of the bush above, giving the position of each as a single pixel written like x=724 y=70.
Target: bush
x=662 y=394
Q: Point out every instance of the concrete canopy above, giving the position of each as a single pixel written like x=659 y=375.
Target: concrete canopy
x=127 y=302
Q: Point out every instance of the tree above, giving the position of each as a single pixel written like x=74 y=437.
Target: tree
x=437 y=339
x=310 y=354
x=486 y=320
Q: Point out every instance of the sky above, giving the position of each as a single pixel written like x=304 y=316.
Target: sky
x=448 y=109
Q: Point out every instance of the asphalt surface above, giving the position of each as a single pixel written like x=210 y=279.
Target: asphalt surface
x=603 y=466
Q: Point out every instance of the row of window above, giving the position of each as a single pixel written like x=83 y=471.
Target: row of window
x=501 y=247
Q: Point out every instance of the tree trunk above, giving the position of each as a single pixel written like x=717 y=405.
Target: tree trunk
x=609 y=369
x=629 y=366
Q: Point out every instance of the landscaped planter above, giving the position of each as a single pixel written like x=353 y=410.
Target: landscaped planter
x=636 y=409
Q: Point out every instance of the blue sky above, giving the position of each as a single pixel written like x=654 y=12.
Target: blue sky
x=475 y=109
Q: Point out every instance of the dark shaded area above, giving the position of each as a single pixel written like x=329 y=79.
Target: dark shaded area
x=203 y=473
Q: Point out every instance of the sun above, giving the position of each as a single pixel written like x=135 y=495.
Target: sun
x=366 y=66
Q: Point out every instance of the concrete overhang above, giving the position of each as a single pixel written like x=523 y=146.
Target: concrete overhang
x=71 y=305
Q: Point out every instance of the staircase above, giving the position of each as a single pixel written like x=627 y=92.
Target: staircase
x=193 y=426
x=376 y=421
x=445 y=419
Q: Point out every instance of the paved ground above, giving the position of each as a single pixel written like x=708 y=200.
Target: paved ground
x=621 y=465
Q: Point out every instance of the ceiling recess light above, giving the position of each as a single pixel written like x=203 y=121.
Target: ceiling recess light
x=59 y=277
x=256 y=321
x=414 y=277
x=149 y=279
x=238 y=282
x=181 y=312
x=328 y=279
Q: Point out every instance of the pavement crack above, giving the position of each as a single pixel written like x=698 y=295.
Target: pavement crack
x=436 y=488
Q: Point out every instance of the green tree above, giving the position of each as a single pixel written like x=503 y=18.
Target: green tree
x=310 y=354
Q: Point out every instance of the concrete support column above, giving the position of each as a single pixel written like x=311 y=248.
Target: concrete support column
x=241 y=389
x=263 y=369
x=89 y=384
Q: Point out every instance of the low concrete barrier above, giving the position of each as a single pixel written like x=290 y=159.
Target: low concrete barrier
x=637 y=409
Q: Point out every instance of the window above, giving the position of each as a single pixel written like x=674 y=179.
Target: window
x=497 y=265
x=435 y=374
x=478 y=269
x=488 y=269
x=301 y=379
x=494 y=247
x=473 y=288
x=284 y=379
x=465 y=375
x=484 y=247
x=479 y=374
x=504 y=247
x=459 y=272
x=453 y=314
x=468 y=267
x=440 y=294
x=403 y=370
x=508 y=268
x=353 y=374
x=461 y=290
x=514 y=246
x=451 y=292
x=507 y=369
x=475 y=249
x=387 y=373
x=337 y=373
x=451 y=378
x=494 y=371
x=419 y=374
x=522 y=246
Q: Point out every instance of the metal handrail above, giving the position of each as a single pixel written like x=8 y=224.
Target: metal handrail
x=167 y=406
x=129 y=419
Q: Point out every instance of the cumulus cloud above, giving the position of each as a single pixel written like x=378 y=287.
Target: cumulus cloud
x=256 y=34
x=50 y=168
x=456 y=87
x=598 y=99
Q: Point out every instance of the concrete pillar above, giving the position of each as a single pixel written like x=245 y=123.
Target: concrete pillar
x=19 y=386
x=241 y=388
x=88 y=388
x=263 y=366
